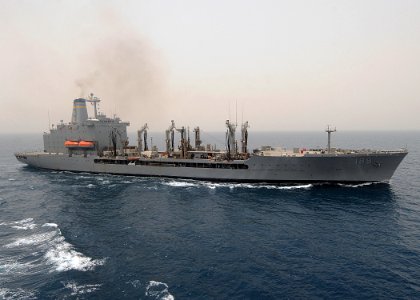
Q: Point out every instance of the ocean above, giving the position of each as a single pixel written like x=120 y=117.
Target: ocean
x=70 y=235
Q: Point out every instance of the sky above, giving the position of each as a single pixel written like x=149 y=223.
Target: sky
x=281 y=65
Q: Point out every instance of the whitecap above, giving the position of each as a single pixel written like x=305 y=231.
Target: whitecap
x=90 y=185
x=80 y=289
x=53 y=225
x=158 y=290
x=56 y=252
x=12 y=179
x=63 y=257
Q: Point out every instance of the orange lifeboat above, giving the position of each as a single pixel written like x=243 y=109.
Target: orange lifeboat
x=71 y=144
x=86 y=144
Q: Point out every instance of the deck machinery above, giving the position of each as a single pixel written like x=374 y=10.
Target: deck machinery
x=100 y=145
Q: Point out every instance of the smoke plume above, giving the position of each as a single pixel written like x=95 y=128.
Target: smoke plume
x=126 y=71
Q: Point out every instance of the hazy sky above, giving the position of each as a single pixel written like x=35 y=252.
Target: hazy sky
x=289 y=65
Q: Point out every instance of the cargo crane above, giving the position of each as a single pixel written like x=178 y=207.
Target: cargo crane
x=244 y=140
x=230 y=140
x=197 y=140
x=142 y=139
x=170 y=136
x=184 y=142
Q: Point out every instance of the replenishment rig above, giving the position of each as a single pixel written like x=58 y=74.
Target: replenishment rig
x=100 y=145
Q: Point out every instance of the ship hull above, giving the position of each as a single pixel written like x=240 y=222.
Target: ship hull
x=372 y=167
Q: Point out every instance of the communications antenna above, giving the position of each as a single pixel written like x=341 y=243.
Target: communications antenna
x=94 y=100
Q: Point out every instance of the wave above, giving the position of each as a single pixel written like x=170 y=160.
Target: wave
x=180 y=184
x=50 y=225
x=214 y=185
x=24 y=224
x=63 y=257
x=19 y=293
x=158 y=290
x=358 y=185
x=80 y=289
x=35 y=239
x=293 y=187
x=50 y=248
x=256 y=186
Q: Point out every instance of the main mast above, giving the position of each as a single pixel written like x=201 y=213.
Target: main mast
x=329 y=130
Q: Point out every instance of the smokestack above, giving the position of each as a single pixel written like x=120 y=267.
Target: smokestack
x=79 y=111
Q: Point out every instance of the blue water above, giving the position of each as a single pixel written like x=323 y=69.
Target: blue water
x=83 y=236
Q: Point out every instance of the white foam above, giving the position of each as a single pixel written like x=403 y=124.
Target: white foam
x=53 y=225
x=159 y=290
x=63 y=257
x=357 y=185
x=18 y=222
x=19 y=293
x=24 y=227
x=12 y=267
x=295 y=187
x=90 y=185
x=35 y=239
x=179 y=184
x=12 y=179
x=255 y=186
x=57 y=253
x=81 y=289
x=24 y=224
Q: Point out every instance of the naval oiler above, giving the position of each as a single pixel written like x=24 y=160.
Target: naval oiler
x=100 y=145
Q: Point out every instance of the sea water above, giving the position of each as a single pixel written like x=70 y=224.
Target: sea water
x=67 y=235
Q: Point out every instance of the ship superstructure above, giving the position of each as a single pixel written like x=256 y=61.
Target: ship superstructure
x=100 y=145
x=100 y=131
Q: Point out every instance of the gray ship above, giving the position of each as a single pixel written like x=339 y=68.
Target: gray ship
x=100 y=145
